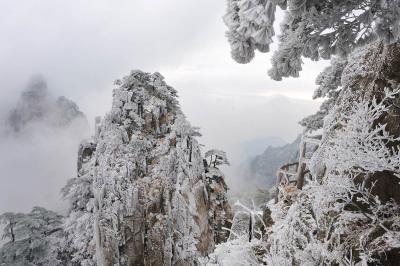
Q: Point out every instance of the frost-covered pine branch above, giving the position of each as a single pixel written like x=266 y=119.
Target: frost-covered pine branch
x=250 y=24
x=312 y=29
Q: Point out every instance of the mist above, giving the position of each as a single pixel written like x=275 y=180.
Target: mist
x=82 y=47
x=35 y=166
x=230 y=122
x=39 y=140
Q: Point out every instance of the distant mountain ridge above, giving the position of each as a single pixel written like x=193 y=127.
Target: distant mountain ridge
x=261 y=170
x=254 y=147
x=37 y=105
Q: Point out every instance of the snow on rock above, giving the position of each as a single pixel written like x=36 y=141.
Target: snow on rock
x=349 y=213
x=239 y=252
x=143 y=195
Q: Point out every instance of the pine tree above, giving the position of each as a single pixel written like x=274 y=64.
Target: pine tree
x=35 y=238
x=217 y=157
x=311 y=28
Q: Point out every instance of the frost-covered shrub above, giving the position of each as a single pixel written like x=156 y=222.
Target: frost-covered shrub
x=238 y=252
x=329 y=83
x=35 y=238
x=339 y=220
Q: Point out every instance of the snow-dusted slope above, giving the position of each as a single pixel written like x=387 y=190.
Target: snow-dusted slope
x=142 y=195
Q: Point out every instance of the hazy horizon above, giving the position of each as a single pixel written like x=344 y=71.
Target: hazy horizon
x=80 y=49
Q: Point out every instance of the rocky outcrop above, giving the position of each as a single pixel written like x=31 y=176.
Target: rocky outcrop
x=151 y=200
x=220 y=213
x=37 y=105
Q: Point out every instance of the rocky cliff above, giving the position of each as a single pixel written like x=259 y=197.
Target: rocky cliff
x=142 y=195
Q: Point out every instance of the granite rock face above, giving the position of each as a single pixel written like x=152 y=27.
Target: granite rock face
x=149 y=199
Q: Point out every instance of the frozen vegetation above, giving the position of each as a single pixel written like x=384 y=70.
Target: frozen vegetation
x=144 y=194
x=347 y=213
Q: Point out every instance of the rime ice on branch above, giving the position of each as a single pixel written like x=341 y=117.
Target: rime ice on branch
x=311 y=28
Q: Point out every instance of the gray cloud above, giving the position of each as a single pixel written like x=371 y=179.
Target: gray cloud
x=82 y=46
x=35 y=167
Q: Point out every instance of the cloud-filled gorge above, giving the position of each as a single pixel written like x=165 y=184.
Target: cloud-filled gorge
x=38 y=148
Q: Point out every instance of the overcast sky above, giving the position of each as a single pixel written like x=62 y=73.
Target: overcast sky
x=81 y=47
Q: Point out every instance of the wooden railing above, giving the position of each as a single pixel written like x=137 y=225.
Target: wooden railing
x=294 y=173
